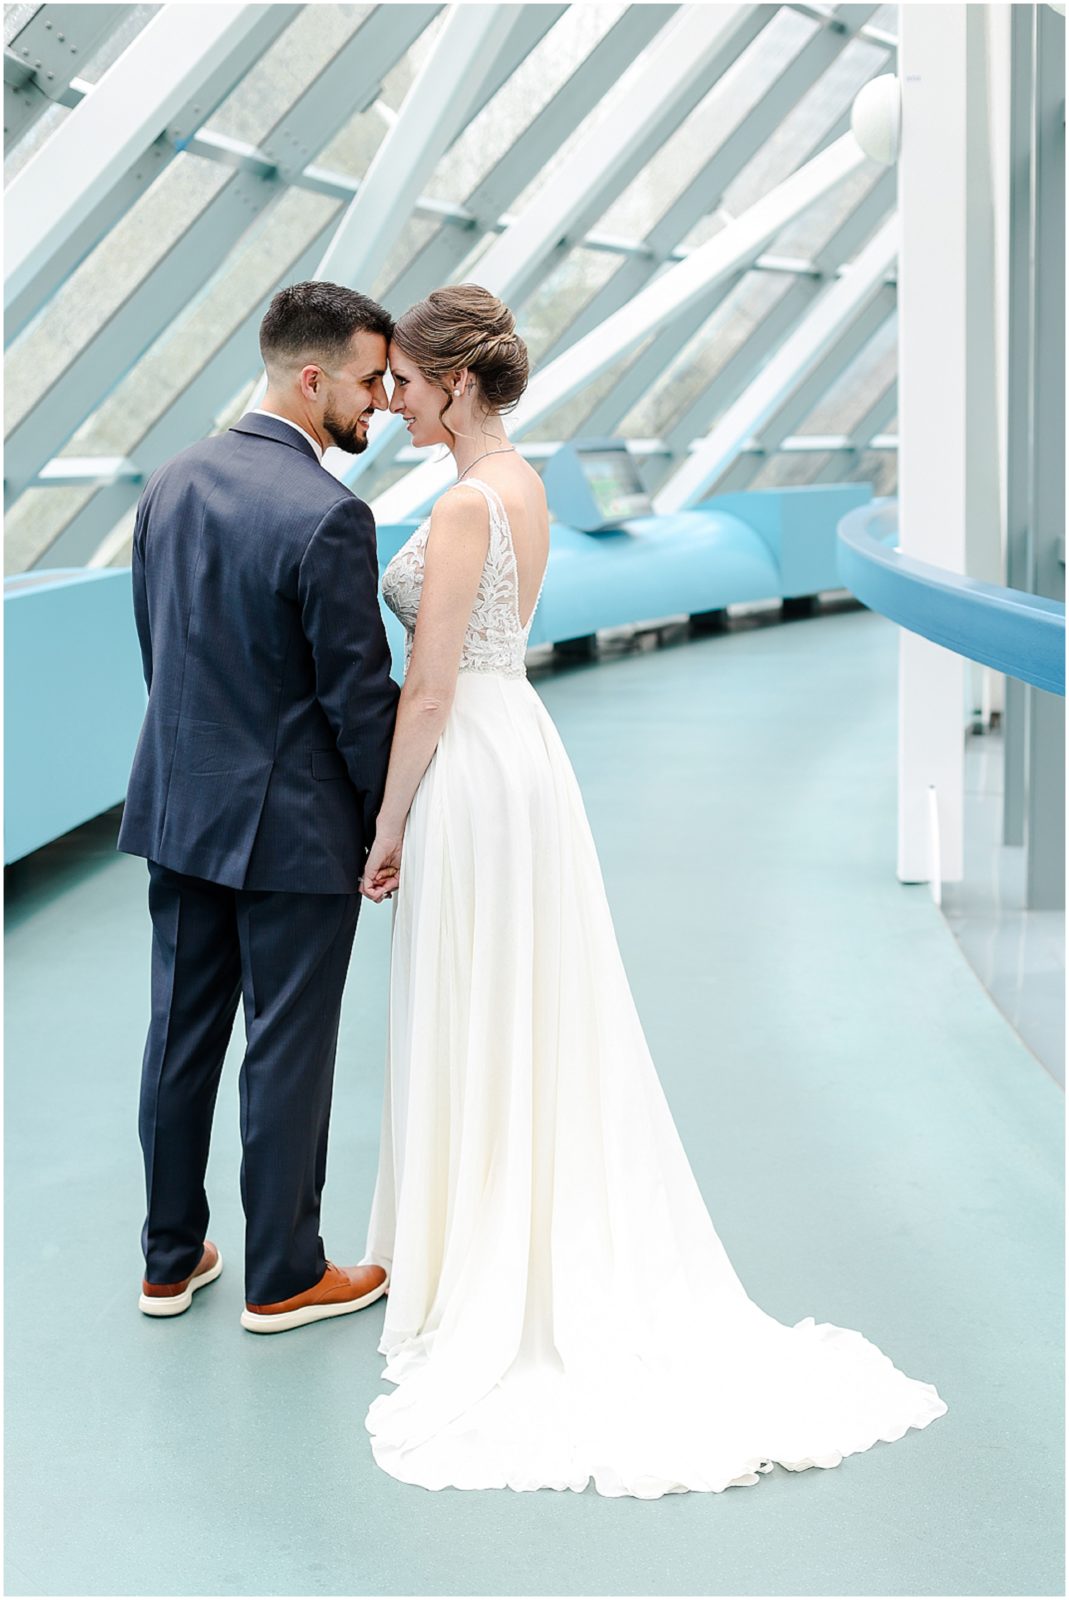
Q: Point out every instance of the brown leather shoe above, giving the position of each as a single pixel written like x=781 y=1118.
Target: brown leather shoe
x=168 y=1299
x=339 y=1291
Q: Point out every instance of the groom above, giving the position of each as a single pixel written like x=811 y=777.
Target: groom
x=255 y=786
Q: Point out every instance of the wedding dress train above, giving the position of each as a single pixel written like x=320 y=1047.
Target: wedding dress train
x=560 y=1306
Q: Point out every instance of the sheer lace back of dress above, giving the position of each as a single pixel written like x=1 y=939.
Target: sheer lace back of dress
x=496 y=639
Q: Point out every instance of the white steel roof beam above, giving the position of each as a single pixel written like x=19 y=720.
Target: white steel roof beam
x=442 y=100
x=177 y=55
x=800 y=400
x=191 y=415
x=647 y=104
x=532 y=26
x=490 y=199
x=668 y=296
x=870 y=33
x=862 y=436
x=705 y=191
x=440 y=260
x=352 y=74
x=43 y=57
x=647 y=368
x=651 y=100
x=736 y=375
x=792 y=363
x=144 y=170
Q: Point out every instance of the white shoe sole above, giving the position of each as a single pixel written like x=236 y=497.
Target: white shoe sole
x=153 y=1306
x=256 y=1322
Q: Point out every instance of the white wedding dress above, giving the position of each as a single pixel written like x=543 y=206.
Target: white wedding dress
x=560 y=1307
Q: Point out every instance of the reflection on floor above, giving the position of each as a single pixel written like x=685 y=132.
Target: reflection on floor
x=877 y=1148
x=1019 y=955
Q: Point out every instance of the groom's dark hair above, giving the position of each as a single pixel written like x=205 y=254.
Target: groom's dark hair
x=315 y=322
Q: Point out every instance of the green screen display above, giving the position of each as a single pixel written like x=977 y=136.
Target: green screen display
x=615 y=484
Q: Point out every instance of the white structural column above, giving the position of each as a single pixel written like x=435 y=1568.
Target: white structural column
x=666 y=297
x=943 y=429
x=94 y=147
x=984 y=480
x=441 y=101
x=800 y=355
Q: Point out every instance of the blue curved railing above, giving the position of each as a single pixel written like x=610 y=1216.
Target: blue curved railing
x=1020 y=634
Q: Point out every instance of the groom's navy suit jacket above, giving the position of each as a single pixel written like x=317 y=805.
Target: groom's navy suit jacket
x=262 y=758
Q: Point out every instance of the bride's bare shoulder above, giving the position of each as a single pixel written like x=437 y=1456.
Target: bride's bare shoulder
x=520 y=488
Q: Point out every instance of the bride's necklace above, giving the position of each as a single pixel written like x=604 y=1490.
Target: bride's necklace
x=500 y=451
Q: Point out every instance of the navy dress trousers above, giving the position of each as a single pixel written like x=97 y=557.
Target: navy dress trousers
x=255 y=785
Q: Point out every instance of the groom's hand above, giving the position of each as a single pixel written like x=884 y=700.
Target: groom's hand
x=382 y=870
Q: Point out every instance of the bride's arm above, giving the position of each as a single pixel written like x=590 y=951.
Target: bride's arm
x=454 y=557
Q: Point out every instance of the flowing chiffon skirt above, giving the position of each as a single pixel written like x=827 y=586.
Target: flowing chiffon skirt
x=560 y=1307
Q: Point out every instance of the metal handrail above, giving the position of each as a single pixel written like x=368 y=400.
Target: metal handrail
x=1015 y=632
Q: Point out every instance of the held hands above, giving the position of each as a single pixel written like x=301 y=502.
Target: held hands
x=382 y=870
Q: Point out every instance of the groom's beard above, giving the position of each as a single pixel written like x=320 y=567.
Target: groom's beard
x=346 y=435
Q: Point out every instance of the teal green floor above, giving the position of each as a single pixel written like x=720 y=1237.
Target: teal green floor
x=877 y=1148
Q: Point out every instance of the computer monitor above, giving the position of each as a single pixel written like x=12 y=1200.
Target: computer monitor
x=593 y=484
x=615 y=484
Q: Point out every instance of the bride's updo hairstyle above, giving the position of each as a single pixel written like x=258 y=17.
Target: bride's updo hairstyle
x=464 y=325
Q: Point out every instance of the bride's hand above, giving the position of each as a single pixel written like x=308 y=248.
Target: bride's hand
x=382 y=870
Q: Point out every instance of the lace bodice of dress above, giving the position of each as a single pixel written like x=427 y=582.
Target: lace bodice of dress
x=495 y=640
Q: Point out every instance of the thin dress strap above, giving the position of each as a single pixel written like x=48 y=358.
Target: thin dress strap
x=496 y=502
x=498 y=505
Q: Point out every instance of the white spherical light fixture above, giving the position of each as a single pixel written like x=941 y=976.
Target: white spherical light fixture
x=876 y=118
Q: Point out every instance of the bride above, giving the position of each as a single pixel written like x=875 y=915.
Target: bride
x=560 y=1306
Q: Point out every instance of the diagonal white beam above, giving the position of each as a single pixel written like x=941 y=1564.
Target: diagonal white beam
x=443 y=97
x=808 y=392
x=533 y=24
x=650 y=366
x=668 y=296
x=839 y=306
x=191 y=415
x=492 y=196
x=862 y=436
x=44 y=56
x=739 y=372
x=447 y=249
x=180 y=133
x=93 y=148
x=704 y=193
x=648 y=103
x=353 y=72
